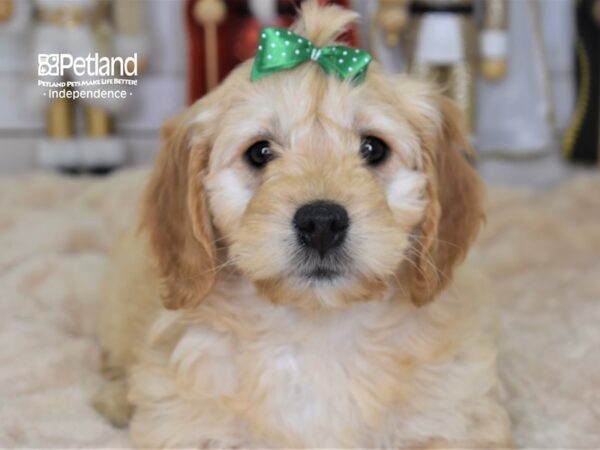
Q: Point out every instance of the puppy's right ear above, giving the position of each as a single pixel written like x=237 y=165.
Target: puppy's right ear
x=175 y=212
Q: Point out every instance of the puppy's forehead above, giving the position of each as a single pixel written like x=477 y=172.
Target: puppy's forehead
x=311 y=110
x=307 y=109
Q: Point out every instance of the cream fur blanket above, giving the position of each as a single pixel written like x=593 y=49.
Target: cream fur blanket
x=542 y=249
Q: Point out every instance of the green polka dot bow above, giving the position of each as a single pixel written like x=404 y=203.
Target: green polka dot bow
x=280 y=49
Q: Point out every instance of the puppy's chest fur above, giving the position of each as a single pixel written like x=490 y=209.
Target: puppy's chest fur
x=363 y=375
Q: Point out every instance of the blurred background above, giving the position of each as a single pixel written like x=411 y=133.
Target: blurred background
x=525 y=73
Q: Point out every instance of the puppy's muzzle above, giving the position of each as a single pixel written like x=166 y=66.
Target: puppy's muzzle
x=321 y=225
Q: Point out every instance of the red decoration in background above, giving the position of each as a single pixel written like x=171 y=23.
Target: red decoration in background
x=237 y=39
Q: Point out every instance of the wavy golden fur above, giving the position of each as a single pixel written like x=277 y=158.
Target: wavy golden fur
x=213 y=333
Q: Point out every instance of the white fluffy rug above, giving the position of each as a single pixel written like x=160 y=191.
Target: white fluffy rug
x=543 y=250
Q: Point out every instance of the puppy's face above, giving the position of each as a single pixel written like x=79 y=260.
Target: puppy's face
x=315 y=186
x=320 y=192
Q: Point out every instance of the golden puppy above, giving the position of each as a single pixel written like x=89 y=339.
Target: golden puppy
x=290 y=281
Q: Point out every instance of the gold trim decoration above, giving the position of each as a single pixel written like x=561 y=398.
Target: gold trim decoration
x=582 y=102
x=390 y=20
x=6 y=9
x=59 y=121
x=495 y=15
x=596 y=11
x=67 y=17
x=98 y=123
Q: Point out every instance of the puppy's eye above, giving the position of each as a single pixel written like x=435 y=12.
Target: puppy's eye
x=259 y=154
x=373 y=150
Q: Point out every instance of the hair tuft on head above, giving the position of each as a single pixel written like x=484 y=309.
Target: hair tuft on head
x=322 y=25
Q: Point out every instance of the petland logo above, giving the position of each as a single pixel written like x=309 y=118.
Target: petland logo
x=62 y=75
x=55 y=64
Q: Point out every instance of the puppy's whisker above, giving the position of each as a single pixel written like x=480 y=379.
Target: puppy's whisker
x=214 y=270
x=223 y=237
x=419 y=239
x=416 y=267
x=427 y=259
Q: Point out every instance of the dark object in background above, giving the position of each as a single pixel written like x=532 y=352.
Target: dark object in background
x=582 y=139
x=237 y=39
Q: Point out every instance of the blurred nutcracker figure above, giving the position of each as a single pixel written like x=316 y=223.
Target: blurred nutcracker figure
x=14 y=20
x=223 y=33
x=443 y=42
x=80 y=28
x=582 y=140
x=514 y=115
x=382 y=28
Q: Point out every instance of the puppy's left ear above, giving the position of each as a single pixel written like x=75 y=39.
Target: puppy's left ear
x=455 y=208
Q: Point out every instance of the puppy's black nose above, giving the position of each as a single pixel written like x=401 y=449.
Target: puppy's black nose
x=321 y=225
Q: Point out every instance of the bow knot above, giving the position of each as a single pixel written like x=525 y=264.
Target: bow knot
x=280 y=49
x=314 y=55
